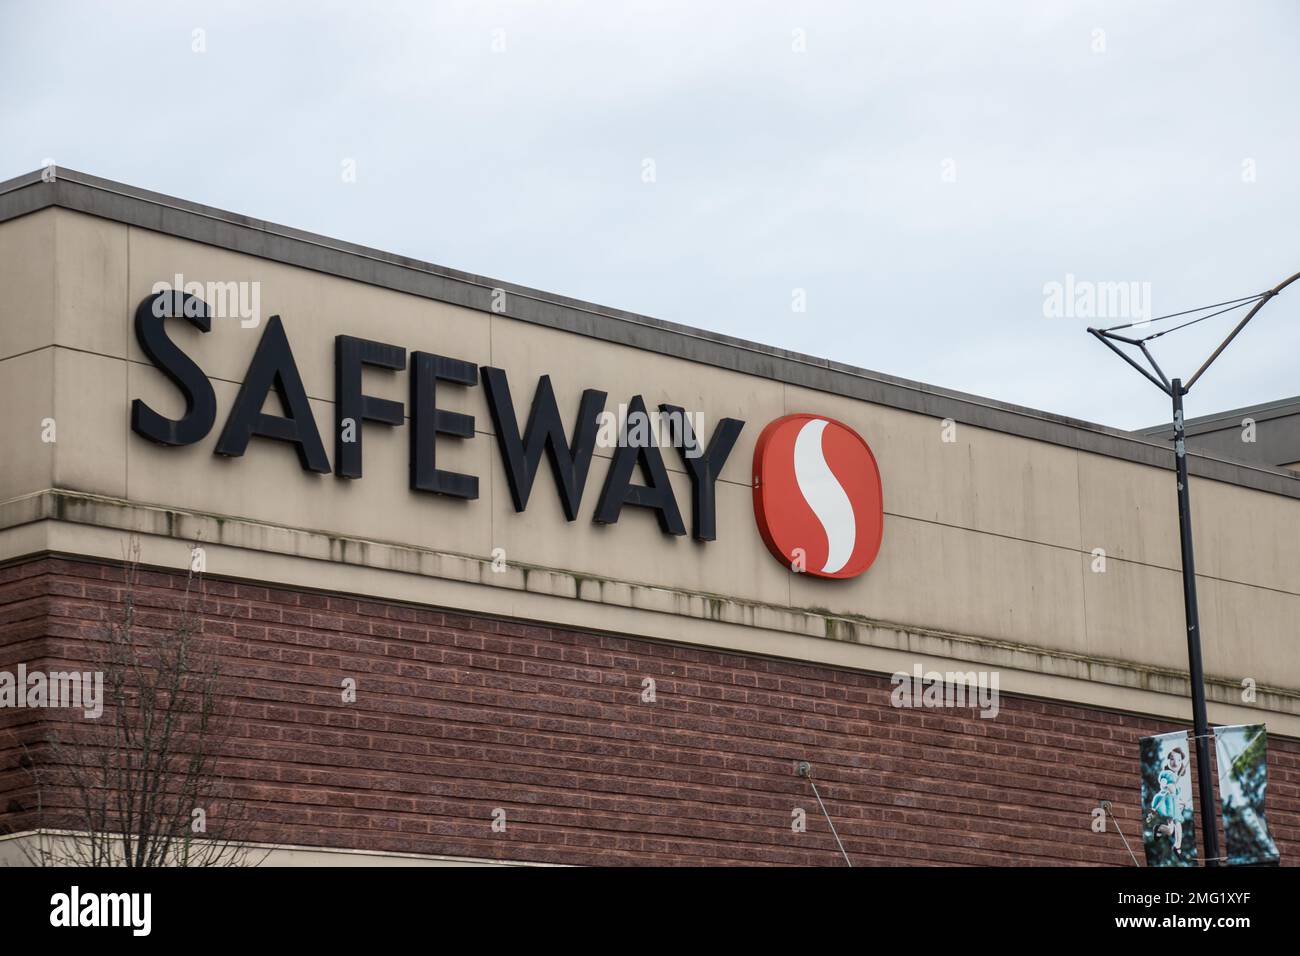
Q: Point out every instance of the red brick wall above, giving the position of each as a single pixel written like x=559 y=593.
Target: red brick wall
x=457 y=715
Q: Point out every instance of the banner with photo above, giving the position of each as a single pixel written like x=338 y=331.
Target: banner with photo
x=1243 y=777
x=1167 y=830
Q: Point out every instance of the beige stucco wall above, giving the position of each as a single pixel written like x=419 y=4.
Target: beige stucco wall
x=987 y=558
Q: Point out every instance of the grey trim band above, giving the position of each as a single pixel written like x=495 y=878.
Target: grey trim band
x=186 y=220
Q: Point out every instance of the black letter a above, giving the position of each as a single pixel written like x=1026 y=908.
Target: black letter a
x=273 y=365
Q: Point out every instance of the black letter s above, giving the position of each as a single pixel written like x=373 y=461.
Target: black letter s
x=200 y=400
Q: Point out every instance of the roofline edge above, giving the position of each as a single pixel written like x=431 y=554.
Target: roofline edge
x=133 y=206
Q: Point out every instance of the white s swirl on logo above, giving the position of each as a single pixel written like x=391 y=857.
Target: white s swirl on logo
x=825 y=495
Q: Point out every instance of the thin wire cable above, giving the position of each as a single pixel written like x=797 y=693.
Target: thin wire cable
x=834 y=832
x=1174 y=315
x=1105 y=807
x=1156 y=335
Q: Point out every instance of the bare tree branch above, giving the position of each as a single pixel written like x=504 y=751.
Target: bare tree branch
x=140 y=785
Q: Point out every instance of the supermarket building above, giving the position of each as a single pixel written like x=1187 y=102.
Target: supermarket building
x=569 y=656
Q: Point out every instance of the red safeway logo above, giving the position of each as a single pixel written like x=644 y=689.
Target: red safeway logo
x=817 y=496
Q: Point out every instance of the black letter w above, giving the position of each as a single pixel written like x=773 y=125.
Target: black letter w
x=545 y=432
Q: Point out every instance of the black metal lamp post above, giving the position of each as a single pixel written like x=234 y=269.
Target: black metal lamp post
x=1176 y=390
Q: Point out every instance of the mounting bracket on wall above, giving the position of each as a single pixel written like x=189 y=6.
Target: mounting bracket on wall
x=1104 y=806
x=804 y=769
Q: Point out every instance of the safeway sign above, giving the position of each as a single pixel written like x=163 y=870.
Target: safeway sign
x=817 y=495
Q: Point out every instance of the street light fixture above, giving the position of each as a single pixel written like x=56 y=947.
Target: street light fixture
x=1175 y=389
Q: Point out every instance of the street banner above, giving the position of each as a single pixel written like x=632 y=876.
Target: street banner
x=1243 y=778
x=1167 y=830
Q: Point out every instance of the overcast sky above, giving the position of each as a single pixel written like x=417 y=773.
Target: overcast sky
x=922 y=170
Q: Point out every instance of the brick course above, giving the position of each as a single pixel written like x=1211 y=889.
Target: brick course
x=457 y=715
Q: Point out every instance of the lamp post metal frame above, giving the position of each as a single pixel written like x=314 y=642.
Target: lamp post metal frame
x=1176 y=389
